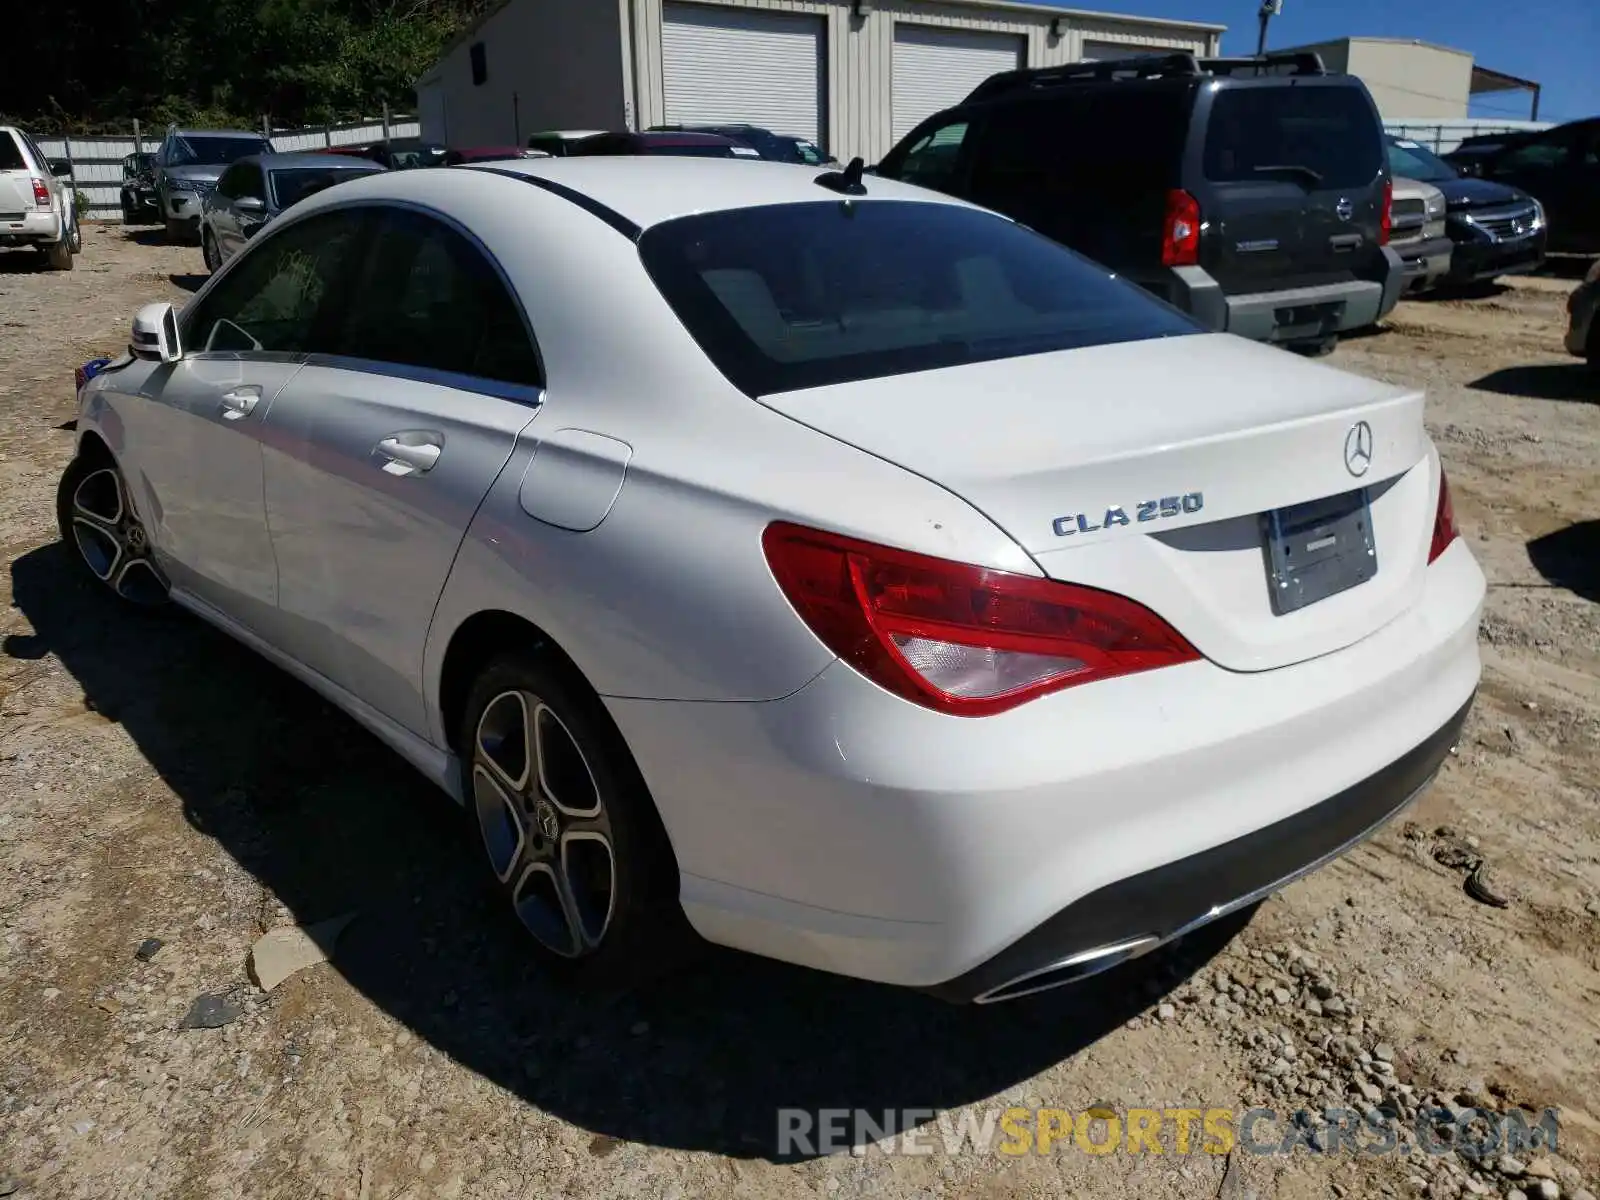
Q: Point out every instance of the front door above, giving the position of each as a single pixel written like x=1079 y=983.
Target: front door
x=197 y=449
x=378 y=456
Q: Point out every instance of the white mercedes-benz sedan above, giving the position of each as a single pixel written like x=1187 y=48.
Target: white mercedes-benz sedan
x=820 y=565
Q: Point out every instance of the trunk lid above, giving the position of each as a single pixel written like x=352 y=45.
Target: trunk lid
x=1292 y=194
x=1200 y=434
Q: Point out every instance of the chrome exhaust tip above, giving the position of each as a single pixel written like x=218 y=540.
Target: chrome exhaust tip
x=1072 y=969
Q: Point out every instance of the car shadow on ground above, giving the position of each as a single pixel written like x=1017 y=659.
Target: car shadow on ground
x=1570 y=558
x=146 y=236
x=1567 y=266
x=189 y=283
x=1543 y=381
x=331 y=821
x=21 y=262
x=1483 y=289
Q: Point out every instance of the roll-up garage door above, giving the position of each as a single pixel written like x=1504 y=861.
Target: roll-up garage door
x=1102 y=51
x=741 y=66
x=936 y=68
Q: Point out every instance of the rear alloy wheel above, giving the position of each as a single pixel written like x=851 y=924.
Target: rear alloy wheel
x=208 y=251
x=99 y=523
x=573 y=841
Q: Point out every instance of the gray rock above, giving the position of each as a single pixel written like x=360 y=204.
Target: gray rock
x=1383 y=1052
x=1511 y=1168
x=147 y=949
x=1546 y=1189
x=1580 y=1194
x=212 y=1012
x=1333 y=1006
x=281 y=952
x=1166 y=1012
x=1314 y=1006
x=1516 y=1194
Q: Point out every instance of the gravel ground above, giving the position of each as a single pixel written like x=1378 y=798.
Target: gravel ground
x=157 y=781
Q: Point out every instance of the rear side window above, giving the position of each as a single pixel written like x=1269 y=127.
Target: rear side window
x=794 y=296
x=934 y=159
x=1256 y=132
x=11 y=154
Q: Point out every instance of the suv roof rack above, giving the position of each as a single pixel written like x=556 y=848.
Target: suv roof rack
x=1180 y=64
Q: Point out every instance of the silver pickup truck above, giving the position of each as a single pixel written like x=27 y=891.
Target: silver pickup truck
x=1417 y=233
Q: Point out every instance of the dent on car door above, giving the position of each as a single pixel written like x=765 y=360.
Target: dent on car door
x=196 y=447
x=378 y=456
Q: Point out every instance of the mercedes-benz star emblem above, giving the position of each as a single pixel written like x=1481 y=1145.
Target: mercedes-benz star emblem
x=1358 y=449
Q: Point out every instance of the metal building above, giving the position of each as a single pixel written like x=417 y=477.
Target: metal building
x=1411 y=80
x=853 y=75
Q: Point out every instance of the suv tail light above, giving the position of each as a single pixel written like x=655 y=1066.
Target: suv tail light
x=41 y=193
x=956 y=638
x=1444 y=521
x=1180 y=233
x=1386 y=217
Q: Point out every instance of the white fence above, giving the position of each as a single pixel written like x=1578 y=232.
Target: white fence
x=1444 y=136
x=97 y=161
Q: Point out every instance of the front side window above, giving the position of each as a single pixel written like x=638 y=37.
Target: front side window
x=430 y=298
x=229 y=181
x=278 y=298
x=933 y=159
x=1537 y=155
x=1328 y=136
x=794 y=296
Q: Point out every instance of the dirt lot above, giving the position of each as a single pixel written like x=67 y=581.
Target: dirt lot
x=156 y=781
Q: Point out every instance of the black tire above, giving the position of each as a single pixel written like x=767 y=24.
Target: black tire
x=58 y=255
x=1591 y=349
x=176 y=234
x=129 y=215
x=1315 y=347
x=107 y=549
x=208 y=251
x=643 y=933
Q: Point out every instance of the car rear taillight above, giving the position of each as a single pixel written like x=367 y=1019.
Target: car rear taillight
x=41 y=193
x=957 y=638
x=1386 y=217
x=1180 y=232
x=1444 y=521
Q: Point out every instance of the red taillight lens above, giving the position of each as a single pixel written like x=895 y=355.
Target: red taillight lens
x=1386 y=217
x=41 y=193
x=1180 y=232
x=957 y=638
x=1444 y=521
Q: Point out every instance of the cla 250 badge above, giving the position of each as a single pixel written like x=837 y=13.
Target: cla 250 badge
x=1149 y=510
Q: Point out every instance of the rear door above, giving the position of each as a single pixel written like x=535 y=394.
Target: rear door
x=16 y=180
x=1088 y=166
x=377 y=456
x=1289 y=174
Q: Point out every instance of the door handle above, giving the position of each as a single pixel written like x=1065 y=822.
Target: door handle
x=408 y=459
x=1345 y=241
x=240 y=402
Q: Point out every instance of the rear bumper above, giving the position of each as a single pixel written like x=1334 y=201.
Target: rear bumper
x=1478 y=259
x=1425 y=261
x=35 y=227
x=846 y=829
x=1291 y=314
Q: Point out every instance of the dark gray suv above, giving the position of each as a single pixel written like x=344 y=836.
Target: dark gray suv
x=187 y=167
x=1252 y=193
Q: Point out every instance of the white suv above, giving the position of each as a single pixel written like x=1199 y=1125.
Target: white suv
x=36 y=201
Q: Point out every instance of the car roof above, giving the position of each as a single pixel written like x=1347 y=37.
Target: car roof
x=662 y=137
x=226 y=133
x=646 y=191
x=337 y=162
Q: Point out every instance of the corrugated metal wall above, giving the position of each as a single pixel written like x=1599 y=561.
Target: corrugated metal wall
x=858 y=95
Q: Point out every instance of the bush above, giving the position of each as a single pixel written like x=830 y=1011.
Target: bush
x=80 y=205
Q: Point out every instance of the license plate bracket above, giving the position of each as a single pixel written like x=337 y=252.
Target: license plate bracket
x=1318 y=549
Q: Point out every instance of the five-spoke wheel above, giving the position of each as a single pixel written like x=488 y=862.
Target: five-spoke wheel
x=98 y=520
x=573 y=840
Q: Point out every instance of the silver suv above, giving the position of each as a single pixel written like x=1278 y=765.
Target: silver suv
x=187 y=167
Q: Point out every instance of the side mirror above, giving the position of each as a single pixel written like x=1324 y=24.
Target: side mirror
x=59 y=167
x=155 y=334
x=250 y=204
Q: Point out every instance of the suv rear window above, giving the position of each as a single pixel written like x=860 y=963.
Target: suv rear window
x=1329 y=130
x=10 y=153
x=794 y=296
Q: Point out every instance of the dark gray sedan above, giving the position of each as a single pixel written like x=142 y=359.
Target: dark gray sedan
x=254 y=190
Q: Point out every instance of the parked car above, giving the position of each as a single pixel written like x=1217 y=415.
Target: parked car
x=187 y=167
x=1417 y=231
x=775 y=147
x=254 y=190
x=37 y=206
x=140 y=203
x=1495 y=229
x=682 y=145
x=477 y=154
x=1559 y=167
x=402 y=154
x=820 y=579
x=1254 y=194
x=1583 y=329
x=558 y=143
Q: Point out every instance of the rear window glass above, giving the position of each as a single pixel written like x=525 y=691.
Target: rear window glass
x=794 y=296
x=1328 y=135
x=11 y=154
x=293 y=185
x=210 y=150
